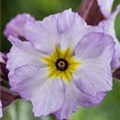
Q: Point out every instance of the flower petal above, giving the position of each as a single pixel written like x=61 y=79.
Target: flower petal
x=70 y=103
x=68 y=22
x=105 y=6
x=74 y=98
x=95 y=45
x=22 y=53
x=27 y=79
x=43 y=34
x=1 y=109
x=95 y=51
x=62 y=31
x=109 y=28
x=89 y=101
x=97 y=78
x=66 y=19
x=31 y=83
x=16 y=26
x=49 y=98
x=72 y=28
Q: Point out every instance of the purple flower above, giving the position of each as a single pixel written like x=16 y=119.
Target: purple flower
x=64 y=64
x=109 y=26
x=1 y=109
x=16 y=26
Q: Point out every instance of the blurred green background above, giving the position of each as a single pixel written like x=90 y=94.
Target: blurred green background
x=21 y=110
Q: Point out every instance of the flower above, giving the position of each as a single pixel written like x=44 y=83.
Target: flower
x=64 y=64
x=1 y=109
x=16 y=26
x=109 y=26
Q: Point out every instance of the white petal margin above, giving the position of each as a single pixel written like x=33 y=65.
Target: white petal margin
x=95 y=52
x=1 y=114
x=109 y=28
x=22 y=53
x=105 y=6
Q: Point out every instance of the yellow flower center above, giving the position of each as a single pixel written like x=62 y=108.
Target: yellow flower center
x=61 y=63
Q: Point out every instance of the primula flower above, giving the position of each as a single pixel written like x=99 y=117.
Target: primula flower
x=64 y=64
x=1 y=109
x=109 y=26
x=16 y=26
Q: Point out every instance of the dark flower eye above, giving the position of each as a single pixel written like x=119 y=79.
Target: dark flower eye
x=61 y=64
